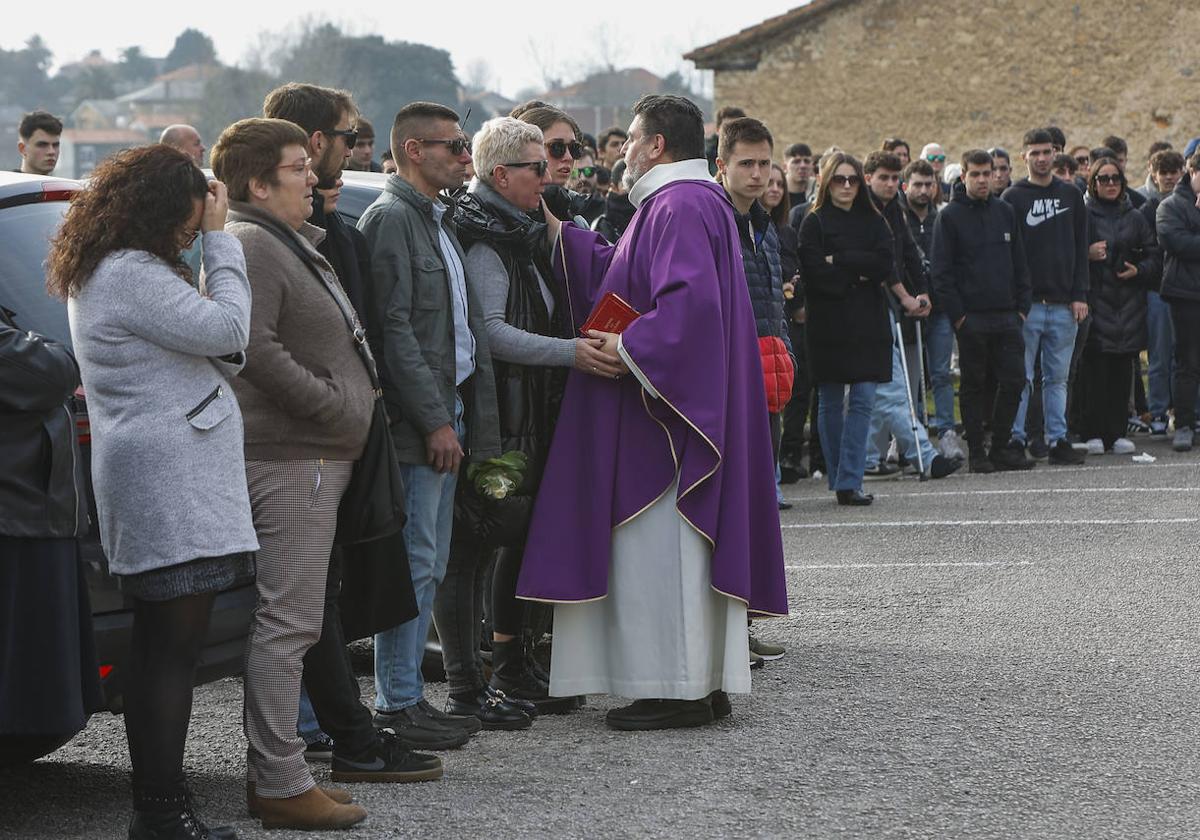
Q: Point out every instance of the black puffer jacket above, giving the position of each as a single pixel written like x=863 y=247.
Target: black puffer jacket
x=618 y=213
x=528 y=397
x=41 y=476
x=1179 y=237
x=764 y=273
x=1118 y=307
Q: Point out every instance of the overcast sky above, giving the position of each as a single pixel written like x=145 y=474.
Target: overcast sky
x=519 y=41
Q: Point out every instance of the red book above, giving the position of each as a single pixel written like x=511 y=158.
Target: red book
x=612 y=315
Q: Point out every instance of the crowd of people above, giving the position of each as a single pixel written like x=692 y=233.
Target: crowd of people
x=253 y=364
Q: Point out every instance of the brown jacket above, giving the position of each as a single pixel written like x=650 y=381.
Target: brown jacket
x=305 y=392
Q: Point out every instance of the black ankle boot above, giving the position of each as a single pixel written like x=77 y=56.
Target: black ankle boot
x=510 y=675
x=169 y=814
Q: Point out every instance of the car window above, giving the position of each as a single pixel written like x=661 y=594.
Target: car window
x=25 y=233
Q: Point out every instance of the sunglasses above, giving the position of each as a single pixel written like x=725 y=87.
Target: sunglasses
x=558 y=149
x=935 y=158
x=538 y=166
x=190 y=239
x=456 y=146
x=1082 y=160
x=351 y=135
x=845 y=180
x=1108 y=180
x=583 y=172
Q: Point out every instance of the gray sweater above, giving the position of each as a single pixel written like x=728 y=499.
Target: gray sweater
x=167 y=464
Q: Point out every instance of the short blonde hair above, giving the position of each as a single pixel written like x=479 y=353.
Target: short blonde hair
x=499 y=141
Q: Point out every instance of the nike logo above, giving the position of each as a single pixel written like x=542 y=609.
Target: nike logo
x=1043 y=209
x=377 y=764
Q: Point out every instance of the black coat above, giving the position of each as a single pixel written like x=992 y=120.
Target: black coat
x=348 y=253
x=849 y=329
x=618 y=213
x=41 y=475
x=528 y=396
x=1118 y=307
x=1179 y=237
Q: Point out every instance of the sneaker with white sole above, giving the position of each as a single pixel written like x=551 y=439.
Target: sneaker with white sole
x=1123 y=446
x=951 y=445
x=1095 y=446
x=1158 y=427
x=768 y=651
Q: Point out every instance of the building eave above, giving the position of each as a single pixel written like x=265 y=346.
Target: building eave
x=742 y=50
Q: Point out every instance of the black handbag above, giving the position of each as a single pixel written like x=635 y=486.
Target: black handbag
x=373 y=505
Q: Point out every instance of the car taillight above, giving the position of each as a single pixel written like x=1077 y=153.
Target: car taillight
x=105 y=670
x=84 y=427
x=57 y=191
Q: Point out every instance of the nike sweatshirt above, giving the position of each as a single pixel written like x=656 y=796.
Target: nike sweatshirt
x=1054 y=227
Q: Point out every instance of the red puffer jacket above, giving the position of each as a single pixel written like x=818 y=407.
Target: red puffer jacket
x=778 y=372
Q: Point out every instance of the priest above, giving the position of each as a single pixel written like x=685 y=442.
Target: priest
x=656 y=529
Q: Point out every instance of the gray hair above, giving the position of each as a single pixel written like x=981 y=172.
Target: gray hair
x=499 y=141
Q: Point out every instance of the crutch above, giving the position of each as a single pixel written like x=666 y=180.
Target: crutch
x=921 y=374
x=912 y=411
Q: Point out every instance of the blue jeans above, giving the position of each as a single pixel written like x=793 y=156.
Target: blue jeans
x=307 y=727
x=1160 y=354
x=844 y=425
x=1050 y=329
x=939 y=335
x=429 y=497
x=891 y=414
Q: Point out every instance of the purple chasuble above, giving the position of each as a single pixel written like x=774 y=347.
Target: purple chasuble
x=617 y=450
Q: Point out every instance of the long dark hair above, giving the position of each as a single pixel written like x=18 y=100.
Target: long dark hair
x=138 y=199
x=779 y=213
x=1097 y=165
x=829 y=165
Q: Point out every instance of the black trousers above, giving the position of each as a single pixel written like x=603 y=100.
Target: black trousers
x=990 y=343
x=1106 y=393
x=458 y=610
x=329 y=677
x=795 y=413
x=1185 y=317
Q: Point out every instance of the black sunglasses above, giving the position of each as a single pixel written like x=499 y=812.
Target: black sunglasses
x=456 y=146
x=1108 y=179
x=350 y=134
x=1082 y=161
x=845 y=180
x=559 y=149
x=538 y=166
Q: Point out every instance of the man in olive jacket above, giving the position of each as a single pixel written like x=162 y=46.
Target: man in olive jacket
x=431 y=346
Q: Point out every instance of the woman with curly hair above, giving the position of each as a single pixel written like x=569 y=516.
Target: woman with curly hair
x=155 y=351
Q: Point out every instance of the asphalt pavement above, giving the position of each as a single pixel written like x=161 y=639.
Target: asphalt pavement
x=1000 y=656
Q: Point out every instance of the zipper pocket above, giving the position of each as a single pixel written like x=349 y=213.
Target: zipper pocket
x=204 y=403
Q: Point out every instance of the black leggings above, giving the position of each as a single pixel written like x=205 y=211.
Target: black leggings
x=167 y=638
x=508 y=611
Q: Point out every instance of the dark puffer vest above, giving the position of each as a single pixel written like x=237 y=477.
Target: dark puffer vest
x=528 y=396
x=1118 y=307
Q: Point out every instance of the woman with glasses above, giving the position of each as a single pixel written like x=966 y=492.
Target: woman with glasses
x=529 y=331
x=845 y=257
x=1124 y=261
x=156 y=350
x=564 y=151
x=307 y=398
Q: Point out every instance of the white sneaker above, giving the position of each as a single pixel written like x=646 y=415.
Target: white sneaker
x=893 y=453
x=1095 y=446
x=951 y=446
x=1123 y=446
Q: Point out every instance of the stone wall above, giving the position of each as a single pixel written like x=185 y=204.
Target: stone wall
x=979 y=74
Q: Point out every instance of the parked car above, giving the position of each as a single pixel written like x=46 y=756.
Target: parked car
x=31 y=210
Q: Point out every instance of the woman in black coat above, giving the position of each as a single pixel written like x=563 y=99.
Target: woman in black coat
x=845 y=256
x=1125 y=263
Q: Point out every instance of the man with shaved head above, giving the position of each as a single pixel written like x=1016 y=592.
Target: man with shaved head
x=186 y=139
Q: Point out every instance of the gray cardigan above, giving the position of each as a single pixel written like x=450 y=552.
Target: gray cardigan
x=167 y=463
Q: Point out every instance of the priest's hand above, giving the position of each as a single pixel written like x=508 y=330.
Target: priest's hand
x=590 y=358
x=608 y=350
x=443 y=452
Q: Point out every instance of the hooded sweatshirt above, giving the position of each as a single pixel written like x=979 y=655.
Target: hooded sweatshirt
x=1053 y=224
x=978 y=257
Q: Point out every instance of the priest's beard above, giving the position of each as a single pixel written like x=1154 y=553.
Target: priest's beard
x=634 y=170
x=328 y=170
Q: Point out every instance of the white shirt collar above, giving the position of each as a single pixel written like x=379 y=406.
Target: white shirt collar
x=659 y=176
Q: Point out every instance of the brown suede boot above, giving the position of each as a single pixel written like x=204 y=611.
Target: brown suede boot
x=310 y=811
x=338 y=795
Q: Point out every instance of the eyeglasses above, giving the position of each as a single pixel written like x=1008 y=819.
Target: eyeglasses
x=456 y=146
x=1108 y=180
x=845 y=180
x=191 y=239
x=583 y=172
x=558 y=149
x=300 y=167
x=1082 y=160
x=538 y=166
x=351 y=134
x=935 y=158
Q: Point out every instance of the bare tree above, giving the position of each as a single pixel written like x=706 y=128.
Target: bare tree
x=543 y=57
x=478 y=75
